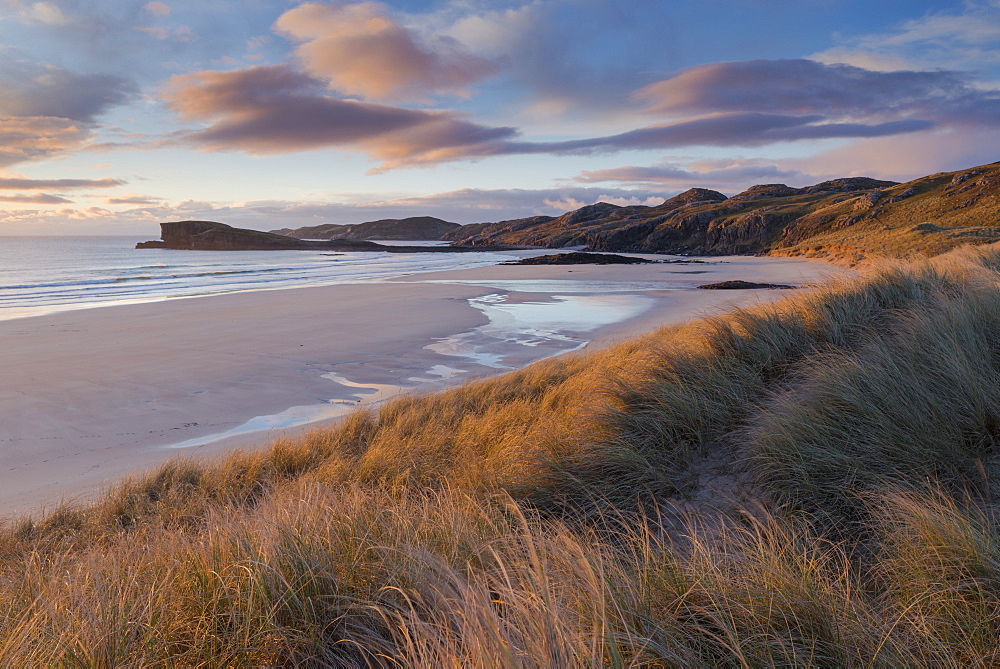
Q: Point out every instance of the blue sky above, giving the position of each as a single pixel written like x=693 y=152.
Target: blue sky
x=116 y=115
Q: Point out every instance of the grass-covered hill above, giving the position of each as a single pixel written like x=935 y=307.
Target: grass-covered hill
x=411 y=229
x=809 y=483
x=845 y=219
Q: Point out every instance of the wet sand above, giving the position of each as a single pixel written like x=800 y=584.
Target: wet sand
x=90 y=396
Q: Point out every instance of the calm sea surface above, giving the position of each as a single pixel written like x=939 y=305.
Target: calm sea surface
x=41 y=275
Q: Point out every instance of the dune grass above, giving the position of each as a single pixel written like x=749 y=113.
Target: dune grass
x=566 y=514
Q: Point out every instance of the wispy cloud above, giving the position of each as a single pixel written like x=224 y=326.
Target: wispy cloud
x=719 y=174
x=14 y=183
x=157 y=8
x=964 y=39
x=804 y=87
x=361 y=50
x=134 y=200
x=467 y=205
x=38 y=137
x=44 y=12
x=40 y=198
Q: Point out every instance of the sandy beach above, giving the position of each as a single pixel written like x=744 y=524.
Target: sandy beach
x=90 y=396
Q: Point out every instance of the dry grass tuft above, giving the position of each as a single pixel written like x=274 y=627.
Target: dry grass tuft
x=565 y=514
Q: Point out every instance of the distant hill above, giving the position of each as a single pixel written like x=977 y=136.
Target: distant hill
x=848 y=218
x=416 y=228
x=213 y=236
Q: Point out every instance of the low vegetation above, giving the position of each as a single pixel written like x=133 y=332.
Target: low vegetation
x=809 y=483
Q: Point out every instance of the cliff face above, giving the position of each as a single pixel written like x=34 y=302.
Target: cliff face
x=848 y=218
x=422 y=228
x=209 y=235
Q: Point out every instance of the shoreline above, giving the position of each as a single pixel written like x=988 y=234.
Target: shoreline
x=94 y=395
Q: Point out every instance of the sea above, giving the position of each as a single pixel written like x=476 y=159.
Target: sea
x=42 y=275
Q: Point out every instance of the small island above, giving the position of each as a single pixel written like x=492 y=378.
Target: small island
x=579 y=258
x=743 y=285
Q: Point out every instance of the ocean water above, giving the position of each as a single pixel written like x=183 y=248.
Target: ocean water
x=40 y=275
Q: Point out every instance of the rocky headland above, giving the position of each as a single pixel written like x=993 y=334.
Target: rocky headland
x=213 y=236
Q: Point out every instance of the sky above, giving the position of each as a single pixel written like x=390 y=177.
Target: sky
x=116 y=115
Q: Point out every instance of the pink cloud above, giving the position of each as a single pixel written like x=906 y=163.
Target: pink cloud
x=837 y=92
x=40 y=198
x=706 y=174
x=134 y=199
x=276 y=109
x=157 y=8
x=15 y=183
x=25 y=138
x=362 y=51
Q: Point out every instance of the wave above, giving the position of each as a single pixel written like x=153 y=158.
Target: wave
x=143 y=277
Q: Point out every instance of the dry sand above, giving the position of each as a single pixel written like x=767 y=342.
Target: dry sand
x=90 y=396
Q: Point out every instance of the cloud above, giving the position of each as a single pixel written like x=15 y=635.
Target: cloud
x=735 y=129
x=276 y=109
x=467 y=205
x=38 y=137
x=46 y=13
x=41 y=198
x=12 y=183
x=907 y=157
x=965 y=40
x=33 y=89
x=362 y=51
x=555 y=53
x=738 y=173
x=134 y=199
x=157 y=8
x=806 y=87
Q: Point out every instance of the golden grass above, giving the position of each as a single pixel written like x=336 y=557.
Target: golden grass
x=558 y=516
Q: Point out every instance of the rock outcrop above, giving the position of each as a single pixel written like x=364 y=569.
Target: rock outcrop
x=577 y=258
x=739 y=284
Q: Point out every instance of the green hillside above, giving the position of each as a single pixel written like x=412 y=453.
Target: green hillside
x=846 y=219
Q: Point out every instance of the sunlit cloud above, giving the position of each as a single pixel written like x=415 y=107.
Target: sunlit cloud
x=16 y=183
x=40 y=198
x=30 y=138
x=466 y=205
x=837 y=93
x=738 y=173
x=361 y=50
x=133 y=200
x=966 y=39
x=45 y=12
x=276 y=109
x=157 y=8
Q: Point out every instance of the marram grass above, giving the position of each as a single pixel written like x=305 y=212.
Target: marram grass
x=808 y=483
